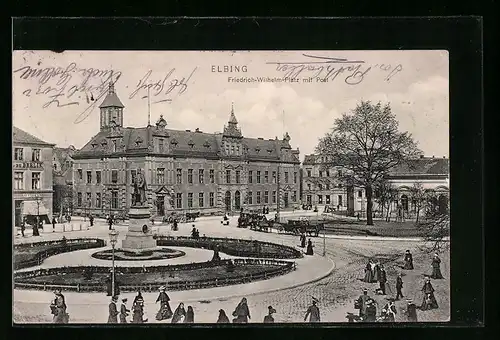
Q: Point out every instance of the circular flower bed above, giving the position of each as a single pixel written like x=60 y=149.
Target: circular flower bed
x=121 y=255
x=174 y=277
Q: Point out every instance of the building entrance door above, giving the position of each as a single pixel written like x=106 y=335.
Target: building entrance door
x=18 y=210
x=237 y=200
x=228 y=201
x=160 y=205
x=285 y=200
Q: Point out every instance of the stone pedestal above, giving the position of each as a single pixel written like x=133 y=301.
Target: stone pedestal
x=139 y=236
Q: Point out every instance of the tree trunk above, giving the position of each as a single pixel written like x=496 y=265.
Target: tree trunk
x=418 y=211
x=369 y=205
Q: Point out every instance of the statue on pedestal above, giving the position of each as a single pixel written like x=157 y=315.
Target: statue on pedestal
x=139 y=190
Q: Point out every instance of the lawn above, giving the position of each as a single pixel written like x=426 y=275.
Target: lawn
x=380 y=228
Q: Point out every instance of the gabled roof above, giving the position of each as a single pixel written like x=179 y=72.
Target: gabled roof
x=20 y=136
x=423 y=166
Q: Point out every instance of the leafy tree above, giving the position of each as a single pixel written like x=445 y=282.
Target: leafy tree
x=435 y=225
x=367 y=144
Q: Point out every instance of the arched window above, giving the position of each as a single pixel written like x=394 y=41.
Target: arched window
x=237 y=200
x=228 y=200
x=404 y=202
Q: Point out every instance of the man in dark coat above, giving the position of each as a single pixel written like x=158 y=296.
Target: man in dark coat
x=302 y=240
x=313 y=312
x=269 y=317
x=124 y=311
x=23 y=226
x=371 y=312
x=362 y=302
x=91 y=219
x=411 y=311
x=399 y=287
x=53 y=224
x=110 y=222
x=408 y=261
x=382 y=279
x=113 y=312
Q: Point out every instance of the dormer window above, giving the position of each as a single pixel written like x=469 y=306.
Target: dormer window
x=269 y=150
x=138 y=141
x=174 y=142
x=206 y=144
x=104 y=143
x=94 y=144
x=257 y=149
x=191 y=143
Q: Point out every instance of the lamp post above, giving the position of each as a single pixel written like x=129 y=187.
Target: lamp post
x=113 y=238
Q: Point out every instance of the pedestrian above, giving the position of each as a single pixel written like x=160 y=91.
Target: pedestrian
x=165 y=312
x=376 y=271
x=91 y=219
x=189 y=315
x=313 y=312
x=382 y=279
x=309 y=250
x=36 y=225
x=110 y=222
x=408 y=261
x=389 y=311
x=399 y=287
x=124 y=311
x=138 y=297
x=411 y=311
x=269 y=317
x=241 y=313
x=53 y=224
x=429 y=300
x=302 y=240
x=361 y=302
x=436 y=268
x=368 y=272
x=113 y=312
x=138 y=310
x=222 y=317
x=58 y=308
x=23 y=226
x=370 y=312
x=179 y=313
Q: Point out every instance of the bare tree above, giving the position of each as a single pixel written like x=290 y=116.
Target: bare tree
x=417 y=197
x=383 y=195
x=435 y=225
x=367 y=144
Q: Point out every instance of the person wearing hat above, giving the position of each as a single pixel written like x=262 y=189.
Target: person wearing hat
x=399 y=286
x=241 y=312
x=382 y=278
x=124 y=311
x=313 y=312
x=269 y=317
x=408 y=261
x=309 y=250
x=429 y=300
x=222 y=317
x=370 y=311
x=361 y=303
x=138 y=309
x=436 y=268
x=165 y=312
x=113 y=312
x=58 y=308
x=411 y=311
x=389 y=311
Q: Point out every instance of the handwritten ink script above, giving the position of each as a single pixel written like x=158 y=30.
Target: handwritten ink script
x=66 y=86
x=327 y=69
x=161 y=88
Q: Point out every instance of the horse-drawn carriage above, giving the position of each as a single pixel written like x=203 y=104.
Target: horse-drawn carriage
x=251 y=219
x=181 y=218
x=301 y=226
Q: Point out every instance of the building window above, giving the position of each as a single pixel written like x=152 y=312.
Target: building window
x=190 y=199
x=309 y=199
x=212 y=176
x=320 y=173
x=250 y=176
x=339 y=173
x=178 y=176
x=286 y=176
x=160 y=145
x=35 y=155
x=18 y=154
x=160 y=175
x=308 y=173
x=327 y=173
x=89 y=199
x=80 y=174
x=308 y=186
x=114 y=145
x=258 y=176
x=258 y=197
x=360 y=193
x=114 y=200
x=294 y=196
x=327 y=186
x=89 y=177
x=320 y=186
x=98 y=177
x=327 y=199
x=340 y=200
x=178 y=200
x=201 y=200
x=228 y=176
x=190 y=176
x=250 y=197
x=19 y=180
x=211 y=198
x=201 y=176
x=266 y=197
x=35 y=180
x=274 y=177
x=320 y=199
x=79 y=199
x=266 y=176
x=295 y=178
x=114 y=176
x=273 y=197
x=237 y=176
x=98 y=200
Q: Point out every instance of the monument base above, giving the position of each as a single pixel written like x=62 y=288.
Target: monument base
x=139 y=236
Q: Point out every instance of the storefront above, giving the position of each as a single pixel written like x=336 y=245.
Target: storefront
x=31 y=205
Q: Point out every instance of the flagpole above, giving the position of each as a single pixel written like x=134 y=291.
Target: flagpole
x=149 y=107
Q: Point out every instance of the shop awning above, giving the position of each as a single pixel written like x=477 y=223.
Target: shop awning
x=34 y=208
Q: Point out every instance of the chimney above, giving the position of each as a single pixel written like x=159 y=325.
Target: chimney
x=260 y=138
x=197 y=130
x=421 y=156
x=444 y=157
x=188 y=130
x=432 y=156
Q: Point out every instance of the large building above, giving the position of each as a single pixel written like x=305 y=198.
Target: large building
x=323 y=186
x=185 y=170
x=32 y=176
x=62 y=167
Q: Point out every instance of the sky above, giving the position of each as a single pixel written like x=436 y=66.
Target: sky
x=53 y=92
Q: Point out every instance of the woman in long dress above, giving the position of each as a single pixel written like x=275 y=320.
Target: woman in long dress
x=165 y=312
x=436 y=268
x=189 y=315
x=376 y=271
x=179 y=313
x=368 y=272
x=138 y=311
x=222 y=317
x=428 y=300
x=408 y=261
x=241 y=313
